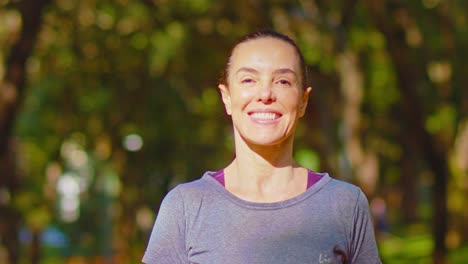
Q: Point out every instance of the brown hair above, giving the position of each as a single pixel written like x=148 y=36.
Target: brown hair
x=268 y=34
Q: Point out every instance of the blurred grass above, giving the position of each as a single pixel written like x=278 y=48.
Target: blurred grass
x=415 y=248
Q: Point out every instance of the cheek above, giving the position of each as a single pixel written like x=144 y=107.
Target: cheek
x=292 y=100
x=246 y=94
x=242 y=97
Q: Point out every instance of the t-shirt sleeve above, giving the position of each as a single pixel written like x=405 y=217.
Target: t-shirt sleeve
x=167 y=241
x=364 y=247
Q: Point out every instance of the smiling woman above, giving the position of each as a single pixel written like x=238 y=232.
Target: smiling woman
x=264 y=207
x=264 y=94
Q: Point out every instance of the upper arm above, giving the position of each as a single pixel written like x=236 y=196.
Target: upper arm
x=167 y=241
x=364 y=247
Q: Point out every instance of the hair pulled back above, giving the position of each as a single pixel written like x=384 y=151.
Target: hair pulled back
x=268 y=34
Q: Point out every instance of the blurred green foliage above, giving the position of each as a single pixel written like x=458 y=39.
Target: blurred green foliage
x=121 y=105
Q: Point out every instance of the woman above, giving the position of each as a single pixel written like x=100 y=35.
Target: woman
x=264 y=207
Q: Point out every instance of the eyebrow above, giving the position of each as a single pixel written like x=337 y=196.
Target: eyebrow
x=246 y=69
x=277 y=71
x=285 y=70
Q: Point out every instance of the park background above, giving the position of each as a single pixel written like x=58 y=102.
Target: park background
x=105 y=105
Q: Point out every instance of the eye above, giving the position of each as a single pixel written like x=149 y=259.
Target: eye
x=284 y=82
x=247 y=81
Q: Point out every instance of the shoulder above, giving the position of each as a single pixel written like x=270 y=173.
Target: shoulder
x=345 y=194
x=190 y=191
x=343 y=188
x=196 y=186
x=338 y=186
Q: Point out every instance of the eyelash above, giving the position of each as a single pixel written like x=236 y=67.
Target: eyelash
x=247 y=80
x=280 y=82
x=284 y=82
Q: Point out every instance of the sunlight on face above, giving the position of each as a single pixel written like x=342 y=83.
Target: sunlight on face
x=264 y=96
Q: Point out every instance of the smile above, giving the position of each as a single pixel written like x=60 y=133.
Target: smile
x=265 y=116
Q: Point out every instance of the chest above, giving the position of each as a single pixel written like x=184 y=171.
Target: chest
x=291 y=235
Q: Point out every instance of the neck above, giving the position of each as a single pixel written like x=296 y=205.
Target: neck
x=263 y=160
x=264 y=173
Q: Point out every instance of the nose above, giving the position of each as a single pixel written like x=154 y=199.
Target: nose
x=266 y=94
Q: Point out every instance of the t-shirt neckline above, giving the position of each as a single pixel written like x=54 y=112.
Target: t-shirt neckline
x=312 y=177
x=209 y=177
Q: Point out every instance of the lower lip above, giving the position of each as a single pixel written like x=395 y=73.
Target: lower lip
x=265 y=121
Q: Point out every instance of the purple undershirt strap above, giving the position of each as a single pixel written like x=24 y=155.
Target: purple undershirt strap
x=219 y=176
x=312 y=177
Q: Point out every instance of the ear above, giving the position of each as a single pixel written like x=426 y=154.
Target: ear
x=226 y=97
x=304 y=101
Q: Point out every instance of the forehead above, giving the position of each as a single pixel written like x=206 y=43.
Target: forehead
x=265 y=52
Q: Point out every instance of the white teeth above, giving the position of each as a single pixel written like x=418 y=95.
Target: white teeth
x=264 y=116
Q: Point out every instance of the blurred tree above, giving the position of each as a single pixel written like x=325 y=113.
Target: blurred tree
x=121 y=105
x=413 y=51
x=12 y=92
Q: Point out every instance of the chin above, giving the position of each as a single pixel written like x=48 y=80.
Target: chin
x=268 y=138
x=267 y=141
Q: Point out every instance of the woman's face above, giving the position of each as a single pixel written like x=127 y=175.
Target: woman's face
x=264 y=94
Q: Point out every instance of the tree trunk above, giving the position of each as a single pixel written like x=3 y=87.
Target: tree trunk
x=11 y=96
x=410 y=74
x=35 y=255
x=317 y=119
x=409 y=178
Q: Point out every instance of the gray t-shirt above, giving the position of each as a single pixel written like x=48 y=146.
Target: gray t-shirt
x=201 y=222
